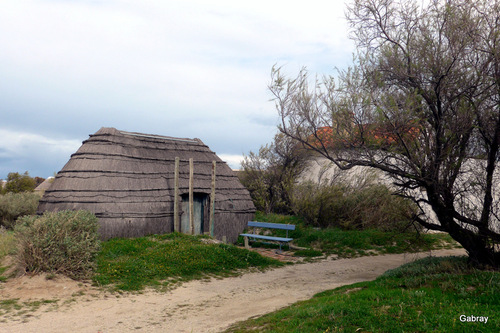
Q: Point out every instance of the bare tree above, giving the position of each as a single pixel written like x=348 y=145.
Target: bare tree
x=271 y=174
x=421 y=103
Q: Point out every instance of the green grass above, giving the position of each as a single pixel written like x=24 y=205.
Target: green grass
x=7 y=243
x=426 y=296
x=354 y=243
x=7 y=246
x=162 y=260
x=14 y=309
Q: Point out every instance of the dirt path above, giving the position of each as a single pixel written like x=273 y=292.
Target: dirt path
x=199 y=306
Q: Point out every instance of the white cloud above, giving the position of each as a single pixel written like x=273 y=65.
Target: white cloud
x=15 y=143
x=38 y=154
x=234 y=161
x=156 y=66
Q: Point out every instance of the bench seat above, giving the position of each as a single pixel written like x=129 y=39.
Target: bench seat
x=277 y=239
x=254 y=236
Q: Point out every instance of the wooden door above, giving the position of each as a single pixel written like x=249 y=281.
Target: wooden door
x=199 y=205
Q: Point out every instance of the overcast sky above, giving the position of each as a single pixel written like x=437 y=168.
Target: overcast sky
x=177 y=68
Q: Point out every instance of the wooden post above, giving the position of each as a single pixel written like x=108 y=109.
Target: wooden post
x=177 y=226
x=212 y=201
x=191 y=206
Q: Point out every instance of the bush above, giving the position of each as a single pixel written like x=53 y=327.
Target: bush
x=65 y=242
x=17 y=183
x=15 y=205
x=371 y=206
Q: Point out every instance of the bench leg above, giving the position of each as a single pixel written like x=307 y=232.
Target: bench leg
x=246 y=243
x=279 y=251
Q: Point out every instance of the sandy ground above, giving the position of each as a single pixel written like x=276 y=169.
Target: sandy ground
x=198 y=306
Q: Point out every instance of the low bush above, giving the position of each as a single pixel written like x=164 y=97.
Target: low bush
x=65 y=242
x=15 y=205
x=372 y=206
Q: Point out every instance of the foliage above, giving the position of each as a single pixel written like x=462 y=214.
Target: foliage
x=15 y=205
x=7 y=243
x=424 y=296
x=270 y=175
x=421 y=104
x=161 y=260
x=7 y=247
x=65 y=242
x=17 y=183
x=370 y=206
x=355 y=243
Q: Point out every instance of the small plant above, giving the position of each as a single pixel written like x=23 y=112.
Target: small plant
x=65 y=242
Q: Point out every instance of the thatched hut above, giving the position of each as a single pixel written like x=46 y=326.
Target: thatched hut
x=127 y=180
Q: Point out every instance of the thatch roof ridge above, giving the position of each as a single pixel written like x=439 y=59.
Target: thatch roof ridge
x=113 y=132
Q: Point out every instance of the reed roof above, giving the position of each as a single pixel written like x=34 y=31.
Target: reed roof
x=125 y=174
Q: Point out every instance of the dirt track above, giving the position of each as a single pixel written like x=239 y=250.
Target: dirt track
x=198 y=306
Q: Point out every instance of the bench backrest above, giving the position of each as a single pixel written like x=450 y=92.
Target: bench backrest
x=271 y=225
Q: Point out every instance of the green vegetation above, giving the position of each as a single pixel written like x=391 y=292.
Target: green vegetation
x=17 y=183
x=7 y=247
x=15 y=205
x=65 y=242
x=428 y=295
x=162 y=260
x=7 y=243
x=352 y=206
x=14 y=308
x=354 y=243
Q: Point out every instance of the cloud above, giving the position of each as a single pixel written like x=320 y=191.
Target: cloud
x=17 y=148
x=182 y=68
x=234 y=161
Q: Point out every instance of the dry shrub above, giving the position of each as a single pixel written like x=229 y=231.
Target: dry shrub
x=15 y=205
x=371 y=206
x=65 y=242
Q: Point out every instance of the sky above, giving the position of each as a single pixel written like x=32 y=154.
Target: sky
x=191 y=69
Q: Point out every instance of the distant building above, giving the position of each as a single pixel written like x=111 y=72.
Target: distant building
x=44 y=186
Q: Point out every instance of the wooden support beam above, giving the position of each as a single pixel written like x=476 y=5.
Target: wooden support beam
x=177 y=226
x=191 y=206
x=212 y=201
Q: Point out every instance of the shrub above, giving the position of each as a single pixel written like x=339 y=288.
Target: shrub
x=65 y=242
x=15 y=205
x=371 y=206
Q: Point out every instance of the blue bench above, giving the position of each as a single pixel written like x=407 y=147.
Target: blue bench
x=281 y=240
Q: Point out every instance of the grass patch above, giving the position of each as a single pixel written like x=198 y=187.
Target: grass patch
x=355 y=243
x=308 y=253
x=7 y=247
x=7 y=243
x=428 y=295
x=161 y=260
x=14 y=309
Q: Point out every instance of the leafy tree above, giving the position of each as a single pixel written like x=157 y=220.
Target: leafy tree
x=422 y=104
x=17 y=183
x=271 y=174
